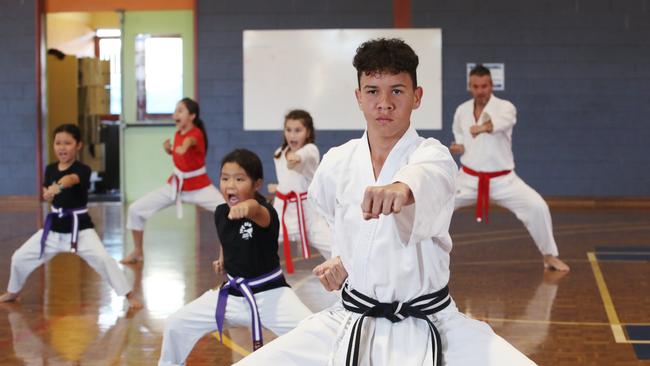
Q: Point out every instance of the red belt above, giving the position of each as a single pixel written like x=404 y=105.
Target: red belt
x=483 y=191
x=297 y=198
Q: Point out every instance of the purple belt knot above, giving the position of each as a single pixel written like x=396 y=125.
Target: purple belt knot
x=61 y=213
x=244 y=286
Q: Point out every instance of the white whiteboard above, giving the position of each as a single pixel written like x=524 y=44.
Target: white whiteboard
x=312 y=70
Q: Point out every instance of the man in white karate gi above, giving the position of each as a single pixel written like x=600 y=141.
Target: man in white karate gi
x=483 y=136
x=388 y=197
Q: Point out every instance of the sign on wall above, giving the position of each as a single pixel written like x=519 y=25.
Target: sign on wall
x=312 y=70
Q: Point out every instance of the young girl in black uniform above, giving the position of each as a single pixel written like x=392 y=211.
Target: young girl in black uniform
x=68 y=227
x=255 y=292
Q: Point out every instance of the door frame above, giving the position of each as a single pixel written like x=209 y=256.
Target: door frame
x=42 y=7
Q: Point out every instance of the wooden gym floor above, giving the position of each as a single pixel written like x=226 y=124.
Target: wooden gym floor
x=598 y=314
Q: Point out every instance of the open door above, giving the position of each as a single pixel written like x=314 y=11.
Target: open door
x=158 y=70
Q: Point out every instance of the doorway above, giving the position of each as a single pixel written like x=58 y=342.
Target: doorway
x=105 y=72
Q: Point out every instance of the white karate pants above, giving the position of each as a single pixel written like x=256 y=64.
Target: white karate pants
x=89 y=247
x=143 y=208
x=510 y=192
x=280 y=311
x=322 y=340
x=319 y=234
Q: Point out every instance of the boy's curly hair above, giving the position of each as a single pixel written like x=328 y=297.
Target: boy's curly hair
x=392 y=55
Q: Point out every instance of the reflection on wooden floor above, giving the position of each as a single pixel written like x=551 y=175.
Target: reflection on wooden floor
x=67 y=316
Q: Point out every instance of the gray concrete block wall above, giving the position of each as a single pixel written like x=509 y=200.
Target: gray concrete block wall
x=17 y=98
x=220 y=71
x=576 y=70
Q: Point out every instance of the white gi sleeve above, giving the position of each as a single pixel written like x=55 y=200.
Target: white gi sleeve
x=456 y=128
x=503 y=116
x=322 y=190
x=431 y=176
x=309 y=158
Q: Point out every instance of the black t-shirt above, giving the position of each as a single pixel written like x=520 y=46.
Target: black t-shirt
x=70 y=197
x=249 y=250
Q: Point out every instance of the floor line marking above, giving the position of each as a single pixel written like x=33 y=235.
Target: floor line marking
x=625 y=253
x=231 y=344
x=610 y=310
x=487 y=238
x=512 y=261
x=558 y=228
x=555 y=322
x=535 y=321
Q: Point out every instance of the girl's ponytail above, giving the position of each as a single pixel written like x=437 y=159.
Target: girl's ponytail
x=199 y=124
x=193 y=107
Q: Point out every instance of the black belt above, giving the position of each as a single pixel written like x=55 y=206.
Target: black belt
x=419 y=307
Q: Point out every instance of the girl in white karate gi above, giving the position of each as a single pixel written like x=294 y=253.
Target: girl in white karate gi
x=188 y=183
x=68 y=227
x=295 y=163
x=255 y=292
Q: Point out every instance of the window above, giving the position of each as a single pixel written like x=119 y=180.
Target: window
x=110 y=48
x=159 y=75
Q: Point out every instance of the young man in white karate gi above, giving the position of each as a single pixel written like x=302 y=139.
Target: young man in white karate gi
x=483 y=137
x=389 y=197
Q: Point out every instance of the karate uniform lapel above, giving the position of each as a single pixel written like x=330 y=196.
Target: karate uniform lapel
x=364 y=174
x=363 y=177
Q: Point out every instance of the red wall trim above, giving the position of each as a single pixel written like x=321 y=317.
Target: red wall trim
x=39 y=39
x=54 y=6
x=402 y=13
x=195 y=8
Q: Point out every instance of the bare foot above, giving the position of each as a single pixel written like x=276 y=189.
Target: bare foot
x=10 y=307
x=8 y=296
x=553 y=277
x=555 y=264
x=133 y=302
x=133 y=258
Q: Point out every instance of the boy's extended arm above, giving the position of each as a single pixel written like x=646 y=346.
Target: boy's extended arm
x=430 y=174
x=387 y=199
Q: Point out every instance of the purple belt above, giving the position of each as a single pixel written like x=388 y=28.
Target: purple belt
x=61 y=213
x=244 y=286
